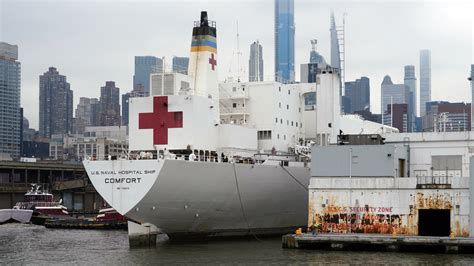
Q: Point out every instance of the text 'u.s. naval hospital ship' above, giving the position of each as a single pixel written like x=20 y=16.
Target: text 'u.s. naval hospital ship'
x=209 y=159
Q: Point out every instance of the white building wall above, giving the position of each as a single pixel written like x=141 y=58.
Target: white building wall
x=235 y=138
x=423 y=146
x=271 y=106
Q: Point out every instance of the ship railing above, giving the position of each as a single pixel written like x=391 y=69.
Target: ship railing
x=20 y=187
x=215 y=159
x=193 y=157
x=27 y=205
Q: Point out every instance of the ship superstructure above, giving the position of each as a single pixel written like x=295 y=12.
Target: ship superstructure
x=211 y=159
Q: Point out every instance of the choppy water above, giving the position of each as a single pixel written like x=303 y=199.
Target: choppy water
x=31 y=244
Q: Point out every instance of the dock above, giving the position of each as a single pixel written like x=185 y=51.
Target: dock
x=379 y=242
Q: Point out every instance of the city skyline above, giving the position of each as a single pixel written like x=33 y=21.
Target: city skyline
x=450 y=42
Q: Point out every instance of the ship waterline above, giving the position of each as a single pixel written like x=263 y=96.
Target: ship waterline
x=188 y=198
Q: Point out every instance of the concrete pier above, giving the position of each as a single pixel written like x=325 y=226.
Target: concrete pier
x=142 y=235
x=379 y=242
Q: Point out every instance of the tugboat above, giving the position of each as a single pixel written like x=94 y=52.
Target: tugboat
x=42 y=205
x=110 y=215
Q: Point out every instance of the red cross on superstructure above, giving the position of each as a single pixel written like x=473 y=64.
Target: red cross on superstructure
x=160 y=120
x=212 y=61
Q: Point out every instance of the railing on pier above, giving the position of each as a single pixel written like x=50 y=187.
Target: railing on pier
x=435 y=182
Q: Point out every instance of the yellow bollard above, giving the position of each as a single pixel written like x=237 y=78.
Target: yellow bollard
x=451 y=235
x=394 y=233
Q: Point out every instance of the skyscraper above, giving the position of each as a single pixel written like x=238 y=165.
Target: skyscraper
x=86 y=114
x=397 y=116
x=336 y=60
x=425 y=80
x=471 y=78
x=109 y=105
x=410 y=82
x=308 y=72
x=335 y=53
x=392 y=94
x=447 y=116
x=144 y=66
x=314 y=56
x=284 y=41
x=136 y=92
x=256 y=62
x=180 y=64
x=55 y=107
x=10 y=115
x=358 y=94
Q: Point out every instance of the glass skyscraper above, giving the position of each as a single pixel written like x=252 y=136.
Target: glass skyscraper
x=471 y=78
x=180 y=64
x=284 y=41
x=357 y=94
x=425 y=80
x=410 y=82
x=256 y=62
x=392 y=94
x=144 y=66
x=10 y=115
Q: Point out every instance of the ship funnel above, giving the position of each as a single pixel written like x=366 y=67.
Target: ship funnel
x=203 y=63
x=204 y=21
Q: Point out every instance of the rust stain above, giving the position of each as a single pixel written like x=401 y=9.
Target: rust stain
x=438 y=201
x=332 y=216
x=458 y=228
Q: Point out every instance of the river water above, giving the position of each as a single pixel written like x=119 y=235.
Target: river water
x=31 y=244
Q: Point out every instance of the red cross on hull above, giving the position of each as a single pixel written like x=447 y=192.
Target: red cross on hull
x=160 y=120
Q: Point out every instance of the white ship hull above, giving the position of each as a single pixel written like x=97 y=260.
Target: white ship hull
x=184 y=198
x=15 y=215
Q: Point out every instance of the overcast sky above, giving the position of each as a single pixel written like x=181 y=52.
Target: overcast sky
x=94 y=41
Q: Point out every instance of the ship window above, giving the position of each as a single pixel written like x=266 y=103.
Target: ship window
x=279 y=89
x=287 y=122
x=279 y=105
x=291 y=123
x=276 y=119
x=288 y=92
x=278 y=136
x=264 y=134
x=287 y=107
x=234 y=105
x=284 y=137
x=281 y=121
x=296 y=124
